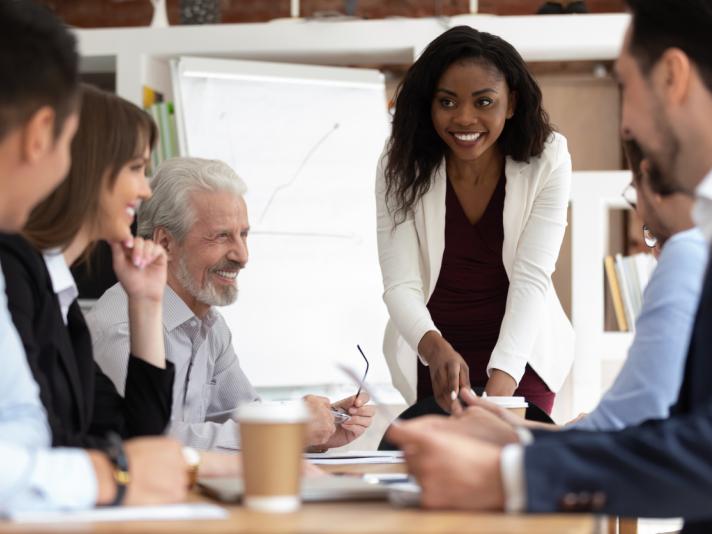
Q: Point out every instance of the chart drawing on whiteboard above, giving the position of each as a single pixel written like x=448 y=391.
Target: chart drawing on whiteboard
x=306 y=140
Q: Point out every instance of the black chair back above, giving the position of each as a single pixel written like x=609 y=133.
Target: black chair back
x=428 y=406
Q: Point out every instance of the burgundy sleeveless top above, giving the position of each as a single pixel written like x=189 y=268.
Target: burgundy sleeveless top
x=470 y=296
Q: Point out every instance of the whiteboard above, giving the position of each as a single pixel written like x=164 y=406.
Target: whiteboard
x=306 y=140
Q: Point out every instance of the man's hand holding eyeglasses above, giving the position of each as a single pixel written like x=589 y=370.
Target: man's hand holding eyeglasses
x=361 y=418
x=324 y=433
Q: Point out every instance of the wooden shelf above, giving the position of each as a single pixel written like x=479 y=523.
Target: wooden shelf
x=130 y=51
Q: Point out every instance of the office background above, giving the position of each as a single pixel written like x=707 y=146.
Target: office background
x=571 y=56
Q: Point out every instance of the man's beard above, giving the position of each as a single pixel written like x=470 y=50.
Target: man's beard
x=212 y=294
x=663 y=162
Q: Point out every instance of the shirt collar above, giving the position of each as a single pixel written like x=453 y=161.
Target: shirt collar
x=702 y=211
x=59 y=273
x=176 y=312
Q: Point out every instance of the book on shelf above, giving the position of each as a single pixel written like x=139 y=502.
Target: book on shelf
x=163 y=114
x=616 y=297
x=627 y=277
x=151 y=96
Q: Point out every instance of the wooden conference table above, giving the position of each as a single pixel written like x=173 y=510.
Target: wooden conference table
x=342 y=518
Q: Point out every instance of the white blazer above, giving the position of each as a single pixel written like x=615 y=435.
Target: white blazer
x=535 y=329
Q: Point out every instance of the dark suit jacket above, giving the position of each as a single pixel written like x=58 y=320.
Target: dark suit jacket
x=661 y=468
x=82 y=403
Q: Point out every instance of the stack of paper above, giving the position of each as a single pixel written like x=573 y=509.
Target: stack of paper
x=356 y=457
x=172 y=512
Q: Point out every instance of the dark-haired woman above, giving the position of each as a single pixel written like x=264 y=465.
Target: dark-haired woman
x=97 y=201
x=472 y=193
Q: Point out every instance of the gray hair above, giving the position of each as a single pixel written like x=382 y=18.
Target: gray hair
x=169 y=207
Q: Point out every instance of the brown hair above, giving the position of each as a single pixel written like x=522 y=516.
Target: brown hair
x=112 y=132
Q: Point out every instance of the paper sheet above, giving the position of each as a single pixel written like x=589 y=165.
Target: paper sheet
x=356 y=457
x=353 y=455
x=172 y=512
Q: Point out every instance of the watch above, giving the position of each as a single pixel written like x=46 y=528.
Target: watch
x=117 y=457
x=192 y=459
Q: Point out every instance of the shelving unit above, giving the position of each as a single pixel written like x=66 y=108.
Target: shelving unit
x=140 y=56
x=593 y=195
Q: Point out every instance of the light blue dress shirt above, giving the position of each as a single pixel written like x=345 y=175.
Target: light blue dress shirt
x=649 y=382
x=33 y=476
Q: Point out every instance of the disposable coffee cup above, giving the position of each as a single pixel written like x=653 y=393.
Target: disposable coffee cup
x=516 y=404
x=272 y=436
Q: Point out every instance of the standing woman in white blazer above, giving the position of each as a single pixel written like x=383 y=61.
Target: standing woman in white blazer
x=472 y=193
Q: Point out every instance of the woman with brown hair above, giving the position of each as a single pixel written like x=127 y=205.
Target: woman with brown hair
x=96 y=202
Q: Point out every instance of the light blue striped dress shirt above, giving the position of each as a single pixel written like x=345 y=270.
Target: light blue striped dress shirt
x=209 y=382
x=650 y=379
x=33 y=476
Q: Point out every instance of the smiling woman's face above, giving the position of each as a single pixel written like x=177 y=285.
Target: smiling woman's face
x=118 y=203
x=471 y=104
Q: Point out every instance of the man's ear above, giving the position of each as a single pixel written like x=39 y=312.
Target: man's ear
x=38 y=135
x=675 y=75
x=165 y=239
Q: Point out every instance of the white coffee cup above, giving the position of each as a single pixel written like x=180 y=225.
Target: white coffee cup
x=272 y=436
x=518 y=405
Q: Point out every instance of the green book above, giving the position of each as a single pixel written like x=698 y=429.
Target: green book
x=164 y=127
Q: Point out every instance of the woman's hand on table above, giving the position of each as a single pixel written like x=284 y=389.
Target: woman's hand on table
x=448 y=370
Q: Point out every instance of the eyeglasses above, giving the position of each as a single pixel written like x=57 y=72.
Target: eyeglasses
x=649 y=237
x=340 y=414
x=630 y=195
x=365 y=373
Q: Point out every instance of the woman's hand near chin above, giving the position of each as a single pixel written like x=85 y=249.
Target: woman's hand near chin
x=140 y=265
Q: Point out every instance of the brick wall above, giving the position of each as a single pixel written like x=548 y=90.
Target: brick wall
x=102 y=13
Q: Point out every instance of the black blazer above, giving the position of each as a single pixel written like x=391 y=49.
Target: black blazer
x=82 y=403
x=661 y=468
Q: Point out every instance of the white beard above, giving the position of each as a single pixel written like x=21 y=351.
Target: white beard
x=212 y=294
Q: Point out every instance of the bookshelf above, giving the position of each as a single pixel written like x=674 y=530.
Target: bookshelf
x=593 y=195
x=141 y=56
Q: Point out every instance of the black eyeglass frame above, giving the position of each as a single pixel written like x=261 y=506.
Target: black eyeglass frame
x=363 y=380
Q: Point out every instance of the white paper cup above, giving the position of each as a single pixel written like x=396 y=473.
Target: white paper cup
x=272 y=436
x=516 y=404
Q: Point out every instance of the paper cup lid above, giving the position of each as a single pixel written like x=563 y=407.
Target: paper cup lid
x=274 y=412
x=509 y=402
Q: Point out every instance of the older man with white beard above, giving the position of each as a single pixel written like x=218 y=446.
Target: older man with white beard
x=198 y=214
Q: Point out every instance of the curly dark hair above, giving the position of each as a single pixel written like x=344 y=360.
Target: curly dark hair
x=415 y=149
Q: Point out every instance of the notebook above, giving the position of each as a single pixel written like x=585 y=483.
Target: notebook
x=324 y=488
